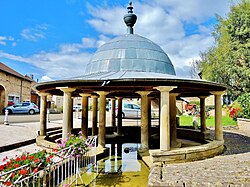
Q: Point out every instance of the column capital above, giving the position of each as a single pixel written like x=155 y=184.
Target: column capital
x=203 y=97
x=142 y=93
x=217 y=92
x=119 y=97
x=165 y=88
x=84 y=95
x=66 y=89
x=43 y=93
x=102 y=93
x=174 y=94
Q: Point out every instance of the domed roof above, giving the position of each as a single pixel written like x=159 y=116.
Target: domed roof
x=130 y=52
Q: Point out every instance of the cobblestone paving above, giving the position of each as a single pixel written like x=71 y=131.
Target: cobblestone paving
x=232 y=168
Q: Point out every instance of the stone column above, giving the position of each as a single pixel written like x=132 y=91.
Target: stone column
x=102 y=119
x=67 y=111
x=119 y=116
x=113 y=111
x=173 y=127
x=203 y=113
x=149 y=117
x=71 y=112
x=218 y=116
x=94 y=115
x=43 y=113
x=144 y=120
x=84 y=125
x=164 y=117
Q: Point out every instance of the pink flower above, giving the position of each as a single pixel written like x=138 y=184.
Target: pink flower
x=80 y=132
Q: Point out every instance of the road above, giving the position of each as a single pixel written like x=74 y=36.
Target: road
x=20 y=118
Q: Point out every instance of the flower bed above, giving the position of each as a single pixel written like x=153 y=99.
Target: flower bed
x=27 y=165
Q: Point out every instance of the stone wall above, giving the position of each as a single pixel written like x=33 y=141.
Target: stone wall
x=13 y=86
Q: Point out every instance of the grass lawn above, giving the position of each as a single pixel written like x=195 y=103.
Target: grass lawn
x=187 y=121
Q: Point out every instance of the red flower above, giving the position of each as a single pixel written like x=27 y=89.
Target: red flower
x=23 y=171
x=35 y=170
x=48 y=160
x=16 y=165
x=7 y=183
x=36 y=160
x=54 y=150
x=2 y=167
x=23 y=157
x=31 y=157
x=51 y=156
x=18 y=159
x=12 y=175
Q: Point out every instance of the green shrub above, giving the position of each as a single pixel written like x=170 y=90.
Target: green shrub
x=244 y=101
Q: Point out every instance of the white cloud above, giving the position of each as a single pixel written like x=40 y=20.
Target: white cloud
x=5 y=39
x=36 y=33
x=2 y=40
x=159 y=20
x=45 y=79
x=163 y=22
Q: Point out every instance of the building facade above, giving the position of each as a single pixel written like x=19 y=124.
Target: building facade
x=14 y=87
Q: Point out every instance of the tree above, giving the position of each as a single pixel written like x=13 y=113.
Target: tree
x=228 y=62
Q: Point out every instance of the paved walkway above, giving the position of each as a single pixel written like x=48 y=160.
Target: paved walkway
x=232 y=168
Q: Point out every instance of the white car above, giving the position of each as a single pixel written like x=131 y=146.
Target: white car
x=25 y=107
x=130 y=110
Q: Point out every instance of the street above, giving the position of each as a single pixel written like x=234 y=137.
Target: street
x=20 y=118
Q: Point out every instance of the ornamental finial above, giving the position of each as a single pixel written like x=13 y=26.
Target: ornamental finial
x=130 y=18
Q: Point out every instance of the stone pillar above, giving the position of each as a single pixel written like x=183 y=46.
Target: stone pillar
x=119 y=116
x=113 y=111
x=84 y=125
x=144 y=120
x=71 y=112
x=102 y=119
x=203 y=113
x=173 y=127
x=164 y=117
x=149 y=117
x=67 y=111
x=94 y=115
x=43 y=113
x=218 y=116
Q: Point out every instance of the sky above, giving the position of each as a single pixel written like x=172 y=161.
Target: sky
x=55 y=39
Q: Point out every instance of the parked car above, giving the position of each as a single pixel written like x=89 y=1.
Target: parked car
x=130 y=110
x=77 y=108
x=25 y=107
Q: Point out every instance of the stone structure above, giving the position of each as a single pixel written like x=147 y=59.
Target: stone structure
x=131 y=66
x=14 y=87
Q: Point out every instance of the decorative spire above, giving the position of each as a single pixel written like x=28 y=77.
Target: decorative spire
x=130 y=19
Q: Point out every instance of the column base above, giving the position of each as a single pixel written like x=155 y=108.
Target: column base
x=176 y=144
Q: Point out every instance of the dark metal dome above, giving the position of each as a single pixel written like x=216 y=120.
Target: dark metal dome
x=130 y=52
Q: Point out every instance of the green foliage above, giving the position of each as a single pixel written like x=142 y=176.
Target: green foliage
x=244 y=101
x=228 y=62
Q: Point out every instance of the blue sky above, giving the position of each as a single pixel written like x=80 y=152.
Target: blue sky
x=55 y=39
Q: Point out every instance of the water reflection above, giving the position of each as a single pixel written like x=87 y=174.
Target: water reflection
x=121 y=168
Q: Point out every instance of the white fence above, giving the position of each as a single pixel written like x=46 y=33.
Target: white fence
x=65 y=170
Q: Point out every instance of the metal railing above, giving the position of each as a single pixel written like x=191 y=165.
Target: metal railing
x=64 y=169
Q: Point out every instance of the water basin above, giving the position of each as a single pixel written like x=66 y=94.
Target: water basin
x=121 y=168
